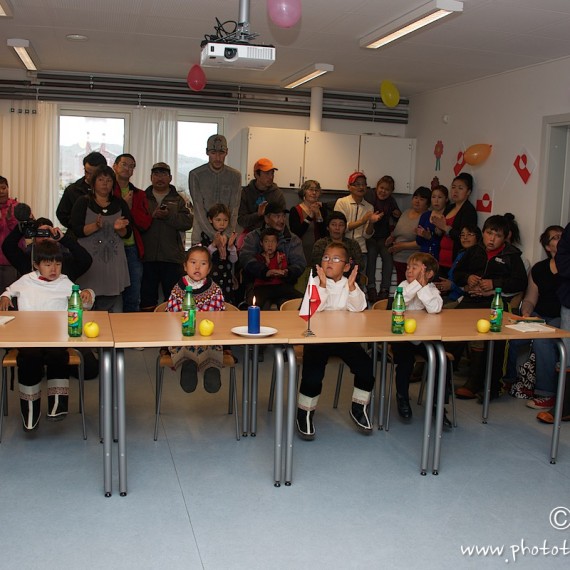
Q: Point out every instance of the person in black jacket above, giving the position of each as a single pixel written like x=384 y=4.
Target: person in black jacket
x=484 y=267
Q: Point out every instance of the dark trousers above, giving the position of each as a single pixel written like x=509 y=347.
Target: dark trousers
x=31 y=362
x=155 y=274
x=266 y=295
x=315 y=358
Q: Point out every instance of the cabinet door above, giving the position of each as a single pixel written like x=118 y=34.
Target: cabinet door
x=389 y=155
x=330 y=158
x=284 y=147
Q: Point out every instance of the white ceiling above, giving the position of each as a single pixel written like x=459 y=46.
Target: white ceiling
x=161 y=38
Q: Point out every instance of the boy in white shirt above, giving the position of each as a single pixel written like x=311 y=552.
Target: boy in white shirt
x=45 y=289
x=337 y=293
x=419 y=293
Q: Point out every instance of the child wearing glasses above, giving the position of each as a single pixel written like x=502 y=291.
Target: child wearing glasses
x=337 y=293
x=270 y=274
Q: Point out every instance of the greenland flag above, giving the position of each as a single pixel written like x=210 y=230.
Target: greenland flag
x=311 y=300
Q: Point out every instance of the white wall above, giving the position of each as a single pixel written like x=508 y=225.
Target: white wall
x=506 y=111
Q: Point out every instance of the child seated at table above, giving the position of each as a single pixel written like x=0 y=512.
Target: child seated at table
x=337 y=293
x=222 y=249
x=485 y=266
x=270 y=272
x=44 y=289
x=419 y=293
x=208 y=297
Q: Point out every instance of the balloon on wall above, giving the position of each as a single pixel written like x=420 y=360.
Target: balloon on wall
x=196 y=78
x=389 y=94
x=477 y=153
x=284 y=13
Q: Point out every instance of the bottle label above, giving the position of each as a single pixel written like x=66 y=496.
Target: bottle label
x=188 y=322
x=496 y=319
x=398 y=317
x=74 y=322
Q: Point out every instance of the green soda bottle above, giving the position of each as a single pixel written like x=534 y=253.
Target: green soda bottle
x=74 y=313
x=496 y=317
x=398 y=312
x=188 y=313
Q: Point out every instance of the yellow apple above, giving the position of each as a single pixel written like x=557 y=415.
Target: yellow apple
x=410 y=326
x=206 y=327
x=91 y=329
x=483 y=325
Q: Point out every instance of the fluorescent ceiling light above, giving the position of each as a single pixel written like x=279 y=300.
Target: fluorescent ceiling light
x=307 y=74
x=23 y=49
x=6 y=9
x=412 y=21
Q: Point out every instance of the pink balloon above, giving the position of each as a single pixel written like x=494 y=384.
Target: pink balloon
x=284 y=13
x=196 y=78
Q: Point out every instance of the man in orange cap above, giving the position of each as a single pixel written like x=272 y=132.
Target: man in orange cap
x=257 y=194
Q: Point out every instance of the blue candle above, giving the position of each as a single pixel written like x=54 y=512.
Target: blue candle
x=253 y=319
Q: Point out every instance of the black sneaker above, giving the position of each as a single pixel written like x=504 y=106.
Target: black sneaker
x=404 y=408
x=31 y=412
x=212 y=380
x=189 y=376
x=305 y=426
x=57 y=407
x=359 y=415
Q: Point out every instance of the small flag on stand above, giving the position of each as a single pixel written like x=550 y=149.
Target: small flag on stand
x=311 y=300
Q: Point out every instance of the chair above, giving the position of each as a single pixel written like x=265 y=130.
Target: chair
x=10 y=361
x=295 y=305
x=164 y=360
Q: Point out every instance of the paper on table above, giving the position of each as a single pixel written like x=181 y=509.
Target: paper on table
x=530 y=327
x=4 y=320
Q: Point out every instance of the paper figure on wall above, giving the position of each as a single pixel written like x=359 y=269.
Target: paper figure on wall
x=524 y=164
x=438 y=151
x=459 y=164
x=485 y=204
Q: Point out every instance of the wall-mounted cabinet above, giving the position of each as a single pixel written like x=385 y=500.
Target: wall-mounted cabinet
x=329 y=157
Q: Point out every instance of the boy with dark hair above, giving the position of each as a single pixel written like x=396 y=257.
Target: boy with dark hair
x=44 y=289
x=484 y=267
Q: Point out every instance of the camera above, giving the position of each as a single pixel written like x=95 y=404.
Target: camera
x=31 y=230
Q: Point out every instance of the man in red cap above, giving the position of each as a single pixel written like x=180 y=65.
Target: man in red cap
x=257 y=194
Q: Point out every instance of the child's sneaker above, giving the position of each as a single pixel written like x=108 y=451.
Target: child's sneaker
x=542 y=403
x=212 y=381
x=189 y=376
x=359 y=415
x=305 y=426
x=57 y=407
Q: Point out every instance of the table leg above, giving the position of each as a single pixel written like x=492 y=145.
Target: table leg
x=559 y=401
x=428 y=406
x=245 y=392
x=488 y=373
x=382 y=395
x=291 y=408
x=105 y=378
x=442 y=380
x=121 y=420
x=278 y=411
x=254 y=377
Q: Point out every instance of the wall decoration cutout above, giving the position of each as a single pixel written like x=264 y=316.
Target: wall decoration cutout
x=438 y=151
x=460 y=163
x=524 y=164
x=485 y=204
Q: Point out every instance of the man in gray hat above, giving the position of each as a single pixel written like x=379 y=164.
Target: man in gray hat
x=214 y=183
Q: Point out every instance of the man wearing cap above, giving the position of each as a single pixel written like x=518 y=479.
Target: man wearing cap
x=214 y=183
x=78 y=188
x=289 y=244
x=260 y=192
x=359 y=213
x=163 y=244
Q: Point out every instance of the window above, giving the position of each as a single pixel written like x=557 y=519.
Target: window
x=80 y=134
x=192 y=138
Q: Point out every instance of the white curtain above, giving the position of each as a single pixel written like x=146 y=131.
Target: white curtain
x=153 y=139
x=29 y=154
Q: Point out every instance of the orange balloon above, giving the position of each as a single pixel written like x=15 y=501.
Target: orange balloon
x=196 y=78
x=477 y=153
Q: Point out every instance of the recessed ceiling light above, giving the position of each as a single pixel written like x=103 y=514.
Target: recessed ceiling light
x=77 y=38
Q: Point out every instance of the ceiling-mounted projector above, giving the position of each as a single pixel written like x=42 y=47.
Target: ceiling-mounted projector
x=238 y=56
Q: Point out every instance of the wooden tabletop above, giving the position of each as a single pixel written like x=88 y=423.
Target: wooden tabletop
x=49 y=329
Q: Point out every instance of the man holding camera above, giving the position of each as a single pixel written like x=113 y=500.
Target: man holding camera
x=163 y=241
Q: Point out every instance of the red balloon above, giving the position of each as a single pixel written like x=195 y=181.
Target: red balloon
x=196 y=78
x=284 y=13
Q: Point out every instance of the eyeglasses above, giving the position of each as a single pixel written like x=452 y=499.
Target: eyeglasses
x=127 y=165
x=334 y=259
